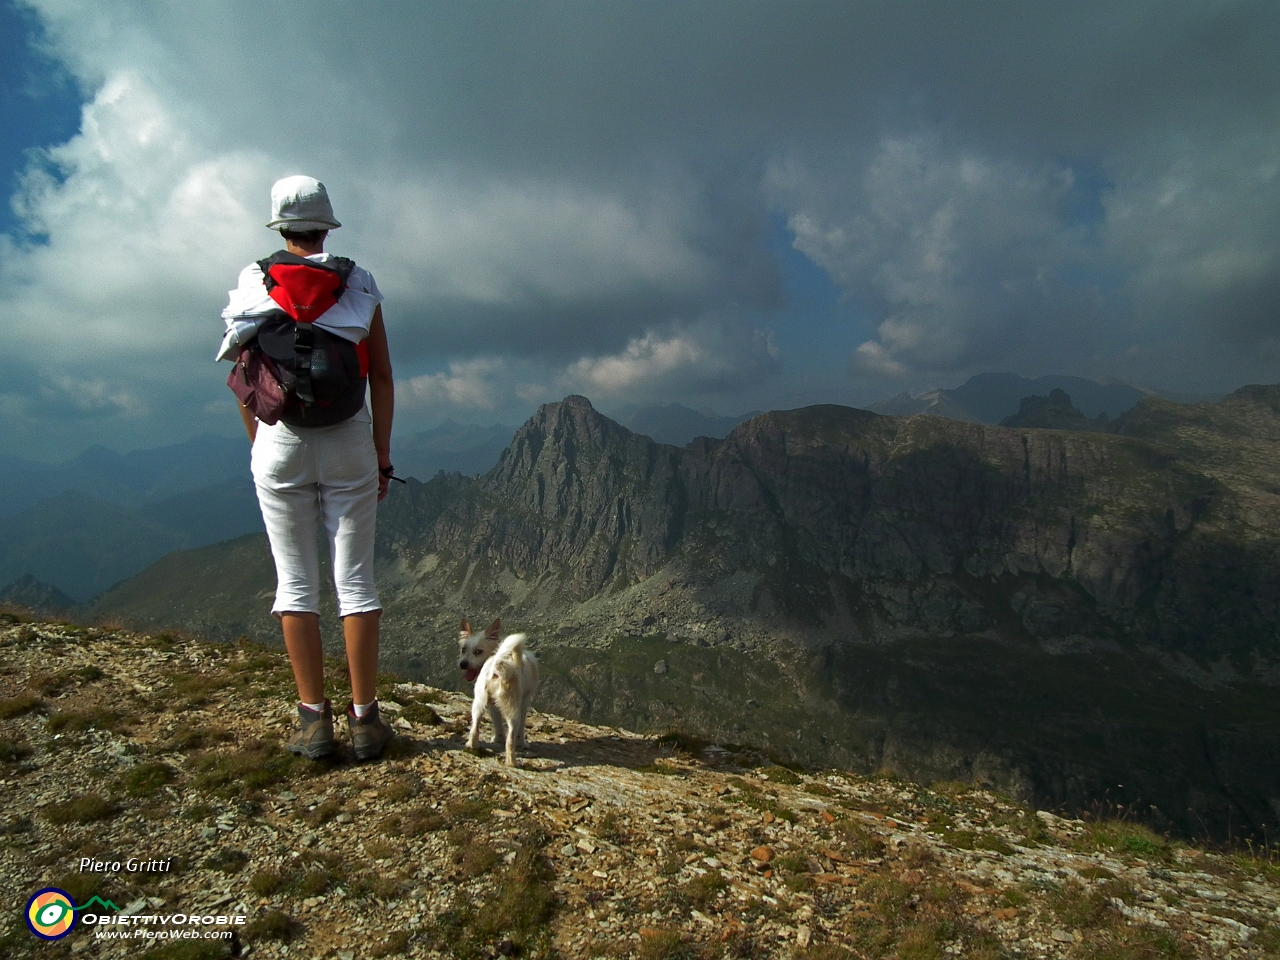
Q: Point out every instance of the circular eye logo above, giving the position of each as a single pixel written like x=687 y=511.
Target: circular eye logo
x=51 y=914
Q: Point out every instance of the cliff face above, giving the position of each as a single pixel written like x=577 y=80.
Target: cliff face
x=1082 y=618
x=881 y=528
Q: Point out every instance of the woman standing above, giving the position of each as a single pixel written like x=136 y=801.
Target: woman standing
x=314 y=477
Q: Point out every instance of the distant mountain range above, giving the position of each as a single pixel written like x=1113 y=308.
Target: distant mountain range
x=79 y=526
x=678 y=425
x=992 y=397
x=84 y=524
x=451 y=447
x=91 y=521
x=125 y=479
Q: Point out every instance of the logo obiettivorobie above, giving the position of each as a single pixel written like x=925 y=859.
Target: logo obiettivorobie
x=51 y=913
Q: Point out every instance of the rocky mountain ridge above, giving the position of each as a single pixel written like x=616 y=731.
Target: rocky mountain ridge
x=1056 y=612
x=881 y=527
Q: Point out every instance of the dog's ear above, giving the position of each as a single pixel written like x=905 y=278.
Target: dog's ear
x=494 y=628
x=466 y=629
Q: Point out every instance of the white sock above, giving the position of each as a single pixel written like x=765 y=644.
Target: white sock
x=362 y=708
x=316 y=707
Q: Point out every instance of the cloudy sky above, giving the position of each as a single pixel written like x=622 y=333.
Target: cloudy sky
x=735 y=205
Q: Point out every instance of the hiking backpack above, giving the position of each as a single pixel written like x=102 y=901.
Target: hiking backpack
x=322 y=376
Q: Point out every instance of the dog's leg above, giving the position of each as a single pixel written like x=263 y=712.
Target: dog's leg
x=517 y=725
x=511 y=742
x=521 y=737
x=477 y=711
x=526 y=701
x=530 y=687
x=495 y=718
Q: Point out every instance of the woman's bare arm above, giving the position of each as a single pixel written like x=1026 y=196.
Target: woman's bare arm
x=382 y=395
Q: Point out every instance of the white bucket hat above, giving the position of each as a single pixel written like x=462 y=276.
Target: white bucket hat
x=300 y=204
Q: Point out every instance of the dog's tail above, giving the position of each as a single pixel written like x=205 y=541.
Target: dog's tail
x=510 y=656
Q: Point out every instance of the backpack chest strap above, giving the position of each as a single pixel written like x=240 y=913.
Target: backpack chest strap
x=303 y=350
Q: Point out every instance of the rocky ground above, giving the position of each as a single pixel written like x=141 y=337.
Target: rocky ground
x=600 y=843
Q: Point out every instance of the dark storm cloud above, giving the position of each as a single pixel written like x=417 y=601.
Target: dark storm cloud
x=578 y=187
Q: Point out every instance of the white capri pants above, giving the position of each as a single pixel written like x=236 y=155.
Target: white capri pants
x=308 y=476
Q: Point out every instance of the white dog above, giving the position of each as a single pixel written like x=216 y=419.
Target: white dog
x=505 y=675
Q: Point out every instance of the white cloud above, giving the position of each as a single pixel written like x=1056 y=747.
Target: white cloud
x=644 y=359
x=713 y=355
x=136 y=234
x=951 y=249
x=475 y=384
x=716 y=353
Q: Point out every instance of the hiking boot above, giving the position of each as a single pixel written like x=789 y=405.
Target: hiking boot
x=315 y=737
x=370 y=734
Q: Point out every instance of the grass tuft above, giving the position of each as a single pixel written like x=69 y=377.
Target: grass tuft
x=80 y=887
x=268 y=881
x=526 y=899
x=147 y=778
x=188 y=690
x=316 y=881
x=1135 y=942
x=824 y=951
x=400 y=790
x=1078 y=906
x=1125 y=836
x=858 y=839
x=272 y=925
x=16 y=706
x=702 y=890
x=257 y=765
x=379 y=850
x=13 y=752
x=920 y=942
x=469 y=810
x=413 y=823
x=323 y=812
x=189 y=950
x=89 y=808
x=421 y=713
x=227 y=861
x=782 y=775
x=611 y=828
x=664 y=944
x=198 y=738
x=684 y=743
x=473 y=857
x=101 y=718
x=392 y=946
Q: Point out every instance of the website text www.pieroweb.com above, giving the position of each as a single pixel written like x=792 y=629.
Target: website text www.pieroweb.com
x=52 y=914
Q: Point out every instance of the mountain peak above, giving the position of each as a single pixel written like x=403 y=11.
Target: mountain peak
x=35 y=594
x=1054 y=412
